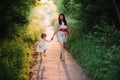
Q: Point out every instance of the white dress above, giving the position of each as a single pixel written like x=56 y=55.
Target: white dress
x=41 y=46
x=62 y=35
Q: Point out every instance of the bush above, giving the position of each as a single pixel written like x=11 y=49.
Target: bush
x=13 y=13
x=14 y=60
x=17 y=38
x=99 y=55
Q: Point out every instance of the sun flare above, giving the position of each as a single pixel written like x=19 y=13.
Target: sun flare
x=43 y=1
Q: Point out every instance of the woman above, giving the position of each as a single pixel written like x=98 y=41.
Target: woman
x=63 y=32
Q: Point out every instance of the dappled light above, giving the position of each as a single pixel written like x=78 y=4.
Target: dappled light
x=90 y=49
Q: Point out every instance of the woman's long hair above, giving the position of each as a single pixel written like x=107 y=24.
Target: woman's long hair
x=64 y=20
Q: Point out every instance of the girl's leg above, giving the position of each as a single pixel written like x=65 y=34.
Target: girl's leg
x=44 y=53
x=40 y=55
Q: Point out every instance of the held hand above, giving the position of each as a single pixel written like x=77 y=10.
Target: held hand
x=52 y=38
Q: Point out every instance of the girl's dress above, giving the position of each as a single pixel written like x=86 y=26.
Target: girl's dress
x=41 y=46
x=62 y=34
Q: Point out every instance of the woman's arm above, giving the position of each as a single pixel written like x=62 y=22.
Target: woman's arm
x=68 y=29
x=55 y=32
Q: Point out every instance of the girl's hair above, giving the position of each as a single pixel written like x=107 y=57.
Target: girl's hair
x=43 y=34
x=64 y=20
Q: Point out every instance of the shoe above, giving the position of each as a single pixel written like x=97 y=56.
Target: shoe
x=44 y=55
x=41 y=59
x=63 y=60
x=60 y=56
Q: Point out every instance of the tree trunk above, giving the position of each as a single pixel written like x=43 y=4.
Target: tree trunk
x=117 y=10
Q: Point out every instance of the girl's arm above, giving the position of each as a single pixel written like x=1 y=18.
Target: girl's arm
x=47 y=40
x=35 y=45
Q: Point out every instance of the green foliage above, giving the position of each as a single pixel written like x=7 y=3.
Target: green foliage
x=70 y=8
x=13 y=13
x=95 y=38
x=16 y=39
x=16 y=55
x=100 y=62
x=14 y=58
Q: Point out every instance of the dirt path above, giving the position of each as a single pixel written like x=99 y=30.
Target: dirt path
x=52 y=68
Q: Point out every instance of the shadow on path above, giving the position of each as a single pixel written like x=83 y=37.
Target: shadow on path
x=42 y=74
x=66 y=70
x=38 y=77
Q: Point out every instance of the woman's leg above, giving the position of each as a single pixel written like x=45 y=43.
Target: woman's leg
x=62 y=51
x=64 y=45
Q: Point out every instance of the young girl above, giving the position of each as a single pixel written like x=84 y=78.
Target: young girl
x=63 y=32
x=41 y=47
